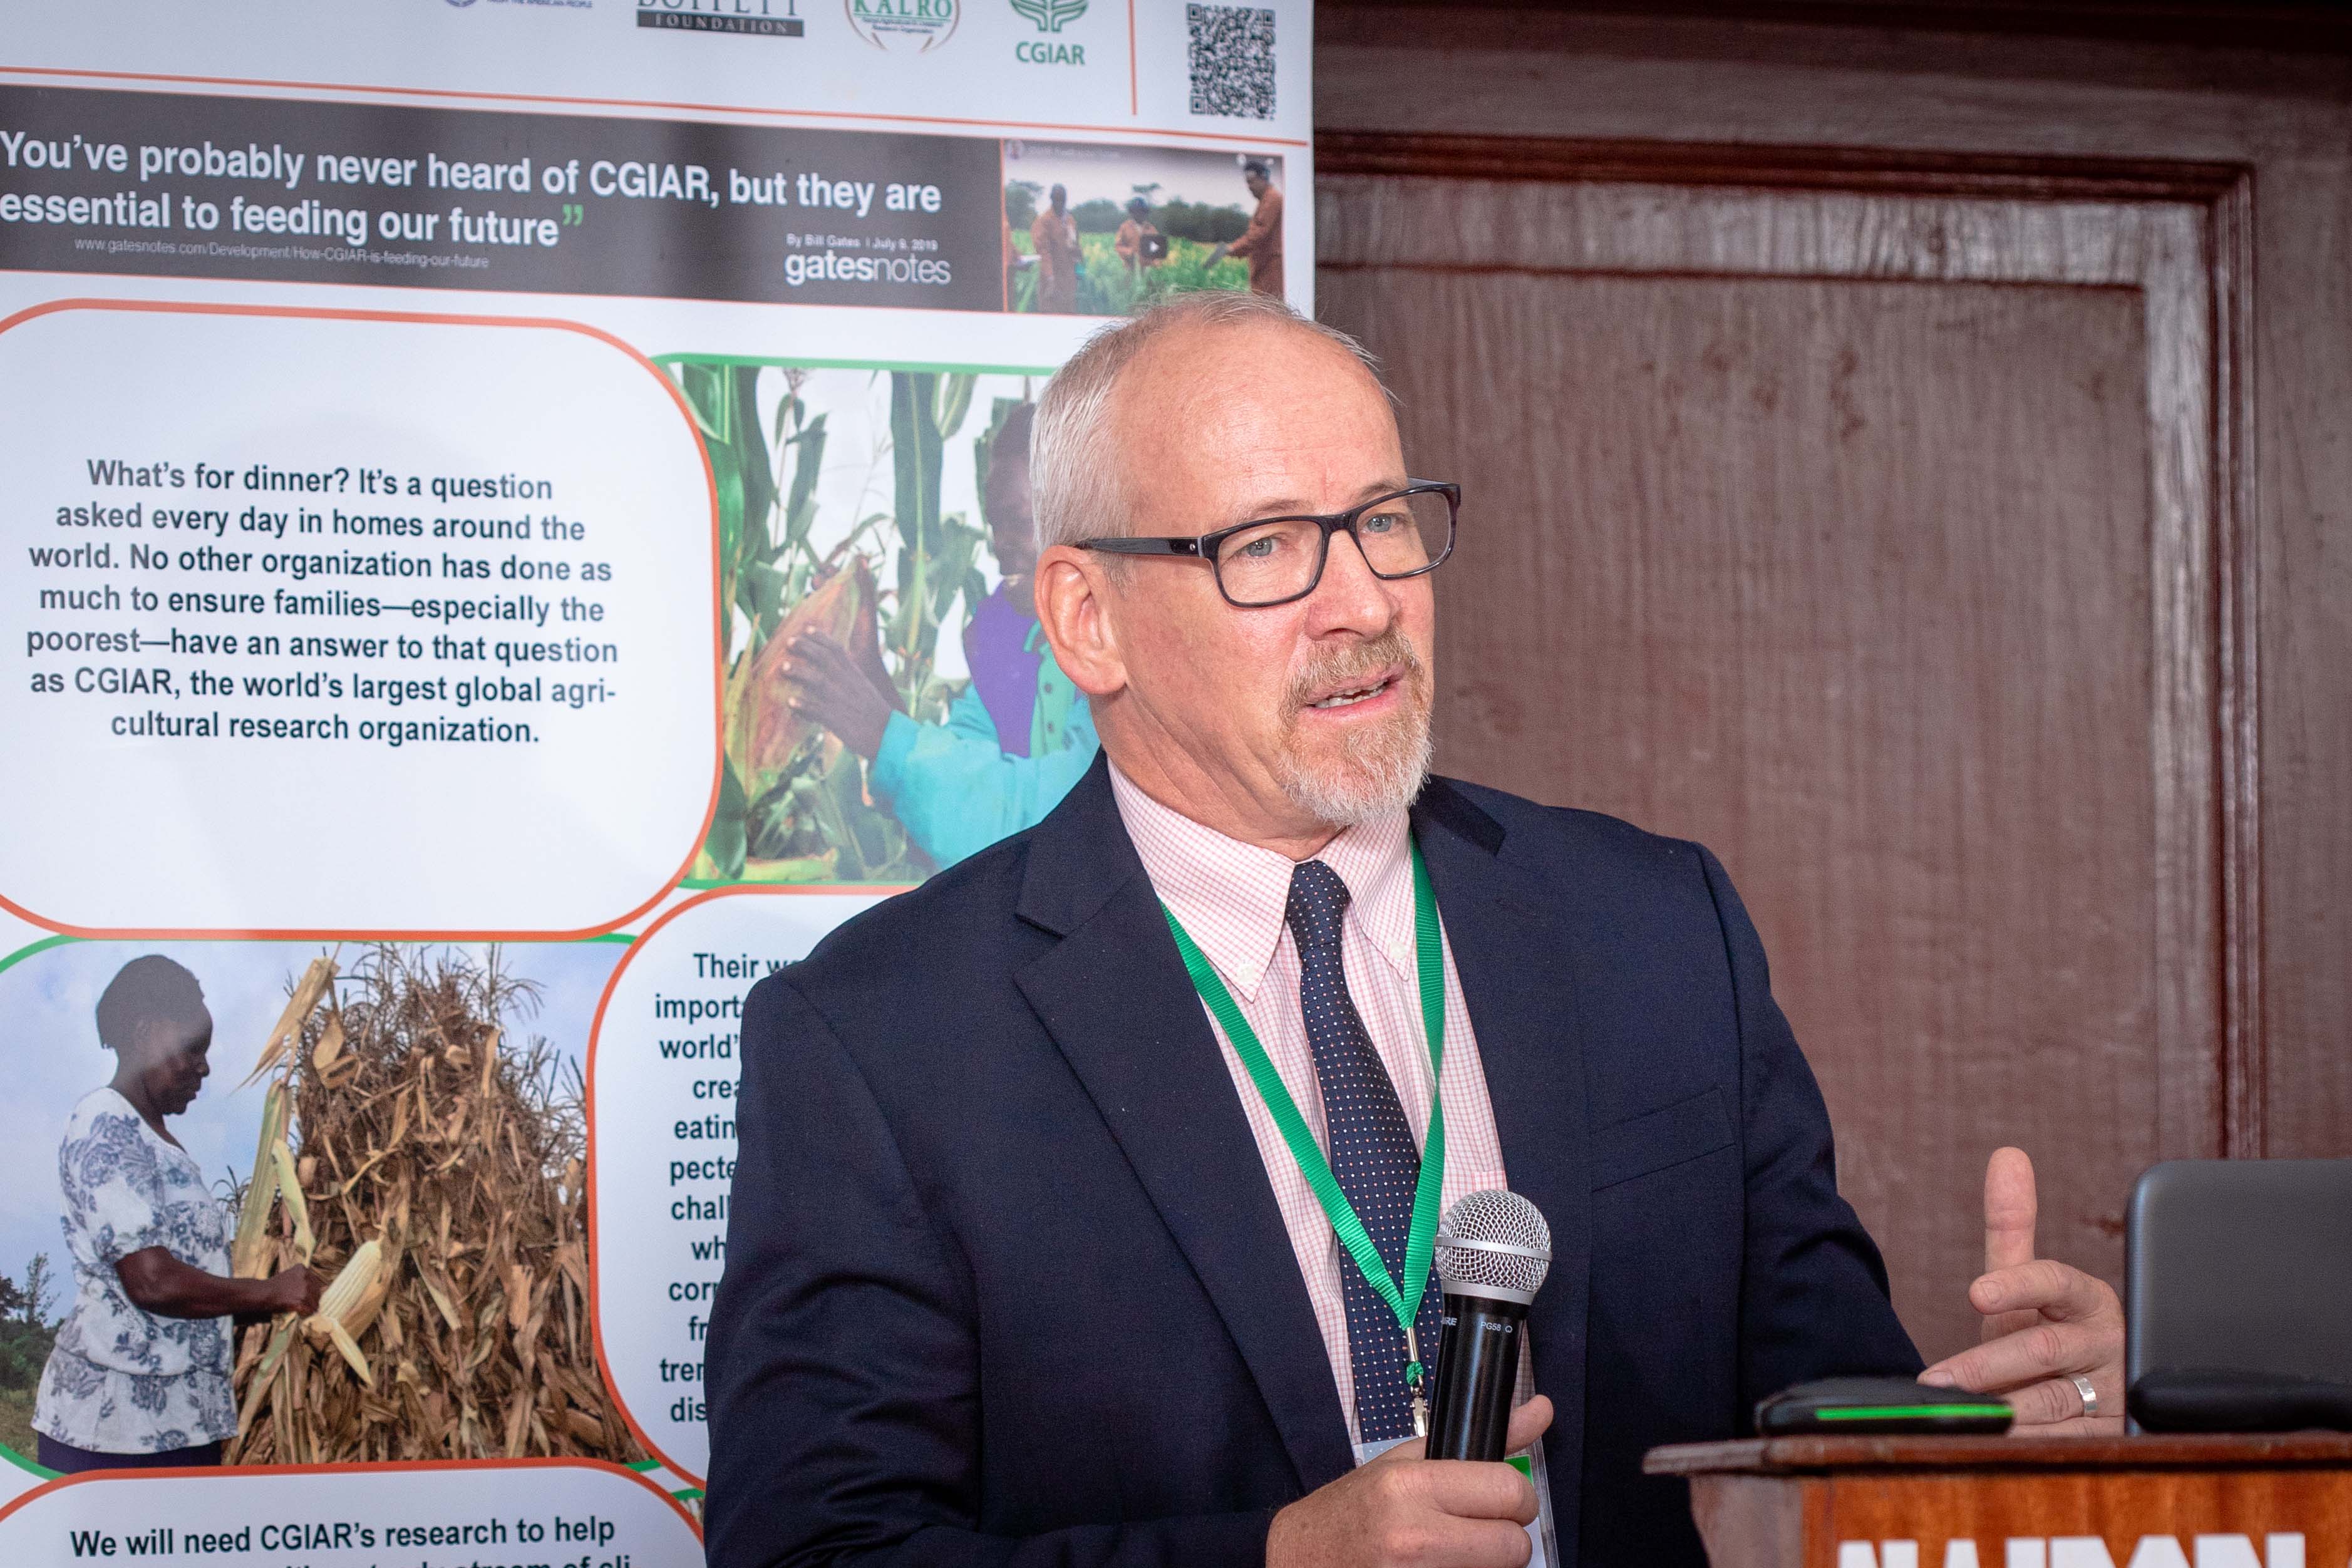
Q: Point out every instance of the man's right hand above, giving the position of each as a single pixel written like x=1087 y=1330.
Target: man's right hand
x=1405 y=1511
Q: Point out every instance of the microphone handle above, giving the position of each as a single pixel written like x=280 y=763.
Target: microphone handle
x=1478 y=1371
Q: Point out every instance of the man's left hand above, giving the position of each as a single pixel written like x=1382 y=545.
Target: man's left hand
x=2044 y=1323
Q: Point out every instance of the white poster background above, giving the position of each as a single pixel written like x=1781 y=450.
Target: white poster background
x=996 y=68
x=1110 y=72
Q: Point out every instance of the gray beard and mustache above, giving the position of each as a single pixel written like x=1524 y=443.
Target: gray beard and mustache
x=1381 y=769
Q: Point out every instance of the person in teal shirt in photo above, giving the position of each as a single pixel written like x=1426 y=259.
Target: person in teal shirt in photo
x=1014 y=741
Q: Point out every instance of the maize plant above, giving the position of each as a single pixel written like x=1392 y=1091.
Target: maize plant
x=434 y=1168
x=794 y=806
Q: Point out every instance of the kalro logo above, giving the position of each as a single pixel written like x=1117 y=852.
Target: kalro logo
x=754 y=19
x=916 y=26
x=1049 y=15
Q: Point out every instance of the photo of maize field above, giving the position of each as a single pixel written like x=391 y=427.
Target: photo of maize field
x=848 y=504
x=410 y=1125
x=1196 y=201
x=1107 y=286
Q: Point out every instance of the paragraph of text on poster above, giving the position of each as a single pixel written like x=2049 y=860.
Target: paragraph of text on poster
x=394 y=616
x=662 y=1072
x=579 y=1515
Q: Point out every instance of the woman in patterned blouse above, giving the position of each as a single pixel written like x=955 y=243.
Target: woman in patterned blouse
x=140 y=1374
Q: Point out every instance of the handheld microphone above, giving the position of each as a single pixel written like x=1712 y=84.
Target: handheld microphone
x=1493 y=1251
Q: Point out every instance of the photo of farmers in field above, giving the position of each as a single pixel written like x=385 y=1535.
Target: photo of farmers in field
x=892 y=706
x=1094 y=230
x=308 y=1206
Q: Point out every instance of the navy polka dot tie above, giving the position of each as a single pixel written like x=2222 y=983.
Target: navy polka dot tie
x=1371 y=1152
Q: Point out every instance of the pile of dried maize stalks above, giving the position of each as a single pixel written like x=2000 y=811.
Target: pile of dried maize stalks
x=434 y=1174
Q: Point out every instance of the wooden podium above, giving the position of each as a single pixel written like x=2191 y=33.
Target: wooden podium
x=2280 y=1501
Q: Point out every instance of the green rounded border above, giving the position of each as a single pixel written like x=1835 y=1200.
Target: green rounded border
x=32 y=1467
x=43 y=945
x=787 y=362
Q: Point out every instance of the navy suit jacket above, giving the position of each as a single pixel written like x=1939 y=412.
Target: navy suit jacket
x=1006 y=1283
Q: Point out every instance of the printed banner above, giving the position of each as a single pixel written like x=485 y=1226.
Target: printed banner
x=520 y=524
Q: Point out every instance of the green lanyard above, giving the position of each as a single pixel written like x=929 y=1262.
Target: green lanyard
x=1403 y=1300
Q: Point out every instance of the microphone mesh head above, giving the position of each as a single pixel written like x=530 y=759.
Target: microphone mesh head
x=1484 y=1247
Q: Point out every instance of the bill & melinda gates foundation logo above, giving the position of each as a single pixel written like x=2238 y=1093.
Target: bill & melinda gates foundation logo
x=913 y=26
x=1049 y=15
x=756 y=18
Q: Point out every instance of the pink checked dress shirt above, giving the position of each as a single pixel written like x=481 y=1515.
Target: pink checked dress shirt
x=1230 y=898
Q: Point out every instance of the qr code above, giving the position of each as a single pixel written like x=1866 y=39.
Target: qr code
x=1233 y=60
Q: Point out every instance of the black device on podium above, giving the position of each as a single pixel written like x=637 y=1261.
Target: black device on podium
x=1845 y=1406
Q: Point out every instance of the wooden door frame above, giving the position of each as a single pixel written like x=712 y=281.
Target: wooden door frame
x=2195 y=270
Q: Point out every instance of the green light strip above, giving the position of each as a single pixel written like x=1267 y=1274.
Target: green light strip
x=1907 y=1412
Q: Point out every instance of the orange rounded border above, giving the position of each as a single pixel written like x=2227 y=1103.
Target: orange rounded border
x=588 y=1064
x=231 y=1472
x=718 y=653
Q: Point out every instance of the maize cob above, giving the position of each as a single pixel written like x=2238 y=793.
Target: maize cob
x=346 y=1291
x=349 y=1348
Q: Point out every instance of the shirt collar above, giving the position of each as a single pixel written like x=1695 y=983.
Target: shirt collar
x=1231 y=897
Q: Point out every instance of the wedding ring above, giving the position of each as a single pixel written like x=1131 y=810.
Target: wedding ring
x=2090 y=1395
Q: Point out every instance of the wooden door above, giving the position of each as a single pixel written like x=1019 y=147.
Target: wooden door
x=1871 y=537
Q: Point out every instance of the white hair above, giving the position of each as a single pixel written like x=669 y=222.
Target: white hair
x=1074 y=475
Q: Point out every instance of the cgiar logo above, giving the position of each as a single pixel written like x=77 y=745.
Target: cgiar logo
x=1049 y=15
x=908 y=26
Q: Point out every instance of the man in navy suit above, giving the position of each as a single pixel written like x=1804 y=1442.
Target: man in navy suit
x=1030 y=1261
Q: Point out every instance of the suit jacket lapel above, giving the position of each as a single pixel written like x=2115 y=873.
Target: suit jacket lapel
x=1114 y=996
x=1514 y=951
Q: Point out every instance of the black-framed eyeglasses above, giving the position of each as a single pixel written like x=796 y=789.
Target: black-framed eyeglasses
x=1274 y=560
